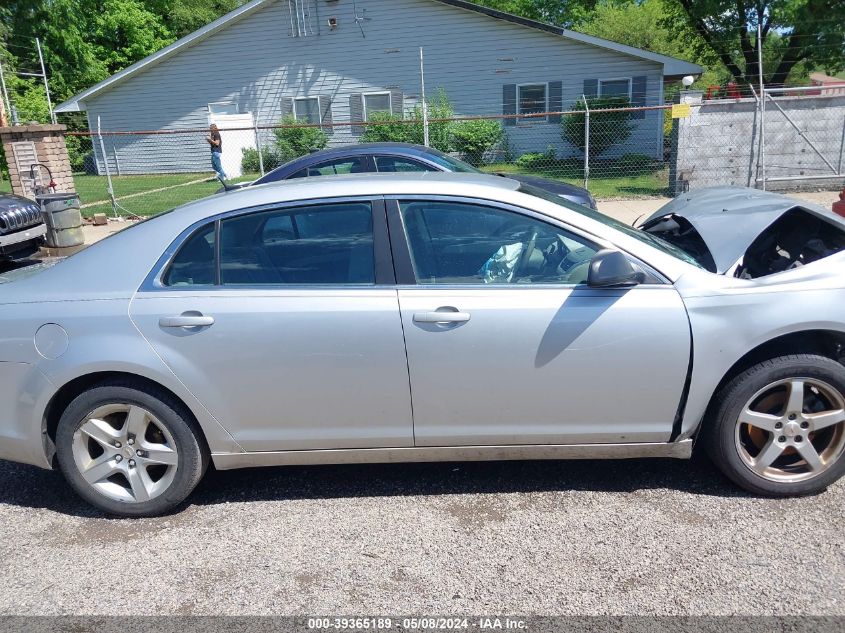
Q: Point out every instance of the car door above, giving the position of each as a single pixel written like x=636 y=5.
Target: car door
x=506 y=343
x=284 y=322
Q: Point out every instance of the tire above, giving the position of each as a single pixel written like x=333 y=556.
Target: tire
x=776 y=458
x=161 y=456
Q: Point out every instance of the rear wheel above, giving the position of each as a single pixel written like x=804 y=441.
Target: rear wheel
x=128 y=451
x=778 y=428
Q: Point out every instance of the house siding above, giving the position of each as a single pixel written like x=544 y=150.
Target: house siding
x=256 y=63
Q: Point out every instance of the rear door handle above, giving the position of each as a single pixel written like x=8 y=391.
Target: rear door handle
x=186 y=320
x=441 y=317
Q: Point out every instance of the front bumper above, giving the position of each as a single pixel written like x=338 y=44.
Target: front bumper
x=20 y=240
x=23 y=390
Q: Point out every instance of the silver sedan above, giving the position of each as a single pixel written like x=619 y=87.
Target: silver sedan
x=427 y=317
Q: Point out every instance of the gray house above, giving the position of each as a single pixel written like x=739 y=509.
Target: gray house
x=337 y=61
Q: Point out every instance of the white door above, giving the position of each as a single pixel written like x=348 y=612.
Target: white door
x=237 y=132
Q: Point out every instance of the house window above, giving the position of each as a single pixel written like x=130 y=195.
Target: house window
x=223 y=107
x=307 y=110
x=376 y=102
x=615 y=88
x=532 y=98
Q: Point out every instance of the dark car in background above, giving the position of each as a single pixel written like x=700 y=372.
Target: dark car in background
x=403 y=158
x=22 y=227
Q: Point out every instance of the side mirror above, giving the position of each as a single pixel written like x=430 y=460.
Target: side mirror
x=611 y=269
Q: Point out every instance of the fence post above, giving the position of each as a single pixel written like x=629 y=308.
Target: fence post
x=586 y=142
x=762 y=152
x=258 y=140
x=424 y=102
x=106 y=165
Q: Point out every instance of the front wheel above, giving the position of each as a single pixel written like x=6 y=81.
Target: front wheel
x=778 y=428
x=129 y=451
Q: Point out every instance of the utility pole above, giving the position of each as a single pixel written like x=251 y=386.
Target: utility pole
x=7 y=109
x=46 y=84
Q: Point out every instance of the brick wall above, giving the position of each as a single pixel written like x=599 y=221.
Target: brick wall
x=50 y=150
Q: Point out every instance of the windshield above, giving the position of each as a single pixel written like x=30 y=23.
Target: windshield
x=450 y=163
x=642 y=236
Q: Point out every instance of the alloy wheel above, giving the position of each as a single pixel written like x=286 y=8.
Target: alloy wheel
x=792 y=430
x=125 y=453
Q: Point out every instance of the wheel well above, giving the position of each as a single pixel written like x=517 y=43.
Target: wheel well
x=822 y=342
x=64 y=396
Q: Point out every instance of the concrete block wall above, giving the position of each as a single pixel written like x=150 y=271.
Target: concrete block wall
x=50 y=150
x=719 y=143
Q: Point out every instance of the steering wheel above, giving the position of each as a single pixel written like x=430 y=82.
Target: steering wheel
x=526 y=254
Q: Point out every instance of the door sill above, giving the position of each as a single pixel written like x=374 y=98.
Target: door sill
x=677 y=450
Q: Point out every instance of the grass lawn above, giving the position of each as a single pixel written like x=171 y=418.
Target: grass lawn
x=92 y=189
x=166 y=191
x=648 y=183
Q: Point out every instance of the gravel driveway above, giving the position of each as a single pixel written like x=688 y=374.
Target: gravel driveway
x=647 y=537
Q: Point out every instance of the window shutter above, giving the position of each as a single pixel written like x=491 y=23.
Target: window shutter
x=356 y=112
x=555 y=100
x=326 y=114
x=397 y=103
x=591 y=88
x=287 y=107
x=639 y=88
x=509 y=102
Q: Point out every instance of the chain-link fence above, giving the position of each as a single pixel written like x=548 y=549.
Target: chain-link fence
x=614 y=152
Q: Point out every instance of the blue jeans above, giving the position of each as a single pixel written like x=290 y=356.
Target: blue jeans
x=217 y=165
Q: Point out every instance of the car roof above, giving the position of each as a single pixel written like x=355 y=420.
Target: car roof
x=363 y=149
x=88 y=275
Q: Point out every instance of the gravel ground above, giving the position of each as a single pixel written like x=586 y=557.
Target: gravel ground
x=625 y=537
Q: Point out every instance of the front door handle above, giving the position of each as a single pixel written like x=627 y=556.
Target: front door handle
x=441 y=316
x=186 y=320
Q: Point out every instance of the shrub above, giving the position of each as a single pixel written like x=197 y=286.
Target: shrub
x=385 y=129
x=606 y=128
x=293 y=142
x=411 y=131
x=271 y=157
x=475 y=138
x=537 y=160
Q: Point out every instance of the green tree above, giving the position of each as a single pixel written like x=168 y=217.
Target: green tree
x=646 y=24
x=608 y=125
x=796 y=34
x=559 y=12
x=126 y=31
x=182 y=17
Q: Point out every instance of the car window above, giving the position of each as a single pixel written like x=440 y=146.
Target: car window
x=642 y=236
x=450 y=163
x=194 y=264
x=320 y=244
x=347 y=165
x=393 y=164
x=461 y=243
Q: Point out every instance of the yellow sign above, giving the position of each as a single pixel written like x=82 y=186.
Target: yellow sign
x=680 y=110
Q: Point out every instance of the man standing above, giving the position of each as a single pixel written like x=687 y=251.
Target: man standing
x=216 y=144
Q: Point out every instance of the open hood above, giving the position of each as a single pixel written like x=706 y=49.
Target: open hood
x=764 y=232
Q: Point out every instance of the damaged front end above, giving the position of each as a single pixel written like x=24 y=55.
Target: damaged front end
x=747 y=233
